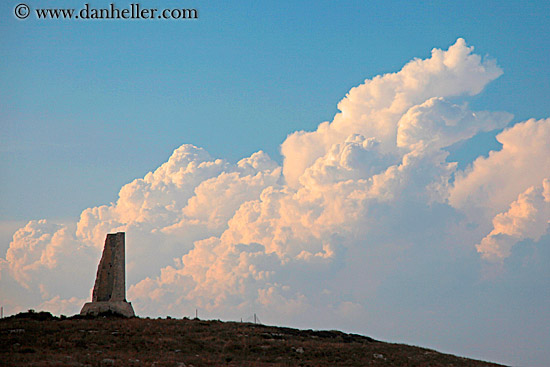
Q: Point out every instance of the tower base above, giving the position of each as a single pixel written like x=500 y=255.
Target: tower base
x=119 y=307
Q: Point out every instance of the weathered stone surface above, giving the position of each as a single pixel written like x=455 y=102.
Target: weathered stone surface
x=120 y=307
x=110 y=285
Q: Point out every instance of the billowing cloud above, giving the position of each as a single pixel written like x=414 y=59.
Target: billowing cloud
x=357 y=202
x=374 y=108
x=42 y=256
x=491 y=183
x=528 y=217
x=437 y=124
x=335 y=202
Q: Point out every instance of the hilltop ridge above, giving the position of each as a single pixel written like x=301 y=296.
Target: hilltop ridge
x=40 y=339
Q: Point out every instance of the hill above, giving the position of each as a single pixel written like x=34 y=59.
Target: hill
x=39 y=339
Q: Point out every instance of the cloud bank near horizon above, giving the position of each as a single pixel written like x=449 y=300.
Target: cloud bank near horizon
x=358 y=201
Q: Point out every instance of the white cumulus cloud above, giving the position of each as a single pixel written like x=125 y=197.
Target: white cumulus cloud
x=374 y=108
x=528 y=217
x=491 y=183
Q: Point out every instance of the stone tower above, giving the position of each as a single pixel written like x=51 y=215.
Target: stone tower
x=110 y=284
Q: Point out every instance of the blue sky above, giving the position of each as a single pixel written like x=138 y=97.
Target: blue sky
x=79 y=98
x=89 y=106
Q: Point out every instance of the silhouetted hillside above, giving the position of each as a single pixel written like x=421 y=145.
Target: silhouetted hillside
x=40 y=339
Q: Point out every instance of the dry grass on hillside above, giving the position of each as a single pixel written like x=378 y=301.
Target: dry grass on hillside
x=37 y=339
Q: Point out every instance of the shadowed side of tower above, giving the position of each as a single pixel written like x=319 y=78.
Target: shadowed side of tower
x=110 y=285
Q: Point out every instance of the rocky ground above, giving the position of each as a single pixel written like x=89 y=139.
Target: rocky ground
x=38 y=339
